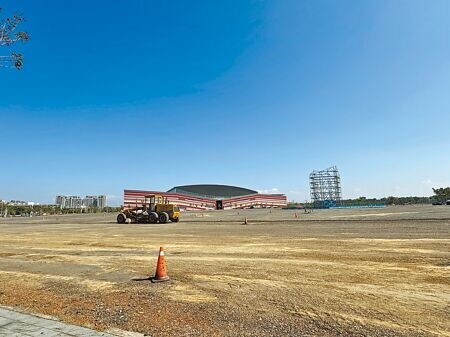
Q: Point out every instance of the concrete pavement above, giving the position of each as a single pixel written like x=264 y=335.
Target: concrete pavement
x=15 y=324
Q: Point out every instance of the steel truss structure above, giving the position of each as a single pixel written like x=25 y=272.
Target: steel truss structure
x=325 y=187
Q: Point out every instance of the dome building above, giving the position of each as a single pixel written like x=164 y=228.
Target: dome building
x=209 y=197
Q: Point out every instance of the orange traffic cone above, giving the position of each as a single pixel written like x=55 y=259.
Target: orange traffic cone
x=161 y=270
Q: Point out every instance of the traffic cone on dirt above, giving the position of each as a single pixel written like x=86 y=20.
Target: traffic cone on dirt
x=161 y=270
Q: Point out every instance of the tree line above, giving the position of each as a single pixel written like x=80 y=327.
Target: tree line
x=441 y=197
x=38 y=210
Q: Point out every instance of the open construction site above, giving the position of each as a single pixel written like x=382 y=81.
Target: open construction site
x=346 y=272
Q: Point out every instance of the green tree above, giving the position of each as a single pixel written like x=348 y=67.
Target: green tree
x=9 y=35
x=391 y=200
x=441 y=194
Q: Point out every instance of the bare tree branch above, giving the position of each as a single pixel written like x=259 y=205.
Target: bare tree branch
x=14 y=60
x=9 y=36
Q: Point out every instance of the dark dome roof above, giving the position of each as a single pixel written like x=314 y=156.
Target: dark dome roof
x=214 y=191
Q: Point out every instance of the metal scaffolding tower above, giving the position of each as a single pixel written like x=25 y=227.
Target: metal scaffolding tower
x=325 y=187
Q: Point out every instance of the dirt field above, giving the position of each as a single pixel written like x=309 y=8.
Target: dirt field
x=364 y=272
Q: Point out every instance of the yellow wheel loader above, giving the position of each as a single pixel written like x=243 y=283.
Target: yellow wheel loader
x=154 y=209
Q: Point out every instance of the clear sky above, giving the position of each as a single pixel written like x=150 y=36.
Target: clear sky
x=152 y=94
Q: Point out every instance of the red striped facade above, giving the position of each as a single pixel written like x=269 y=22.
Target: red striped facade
x=133 y=198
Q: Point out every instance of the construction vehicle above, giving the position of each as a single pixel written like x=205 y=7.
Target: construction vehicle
x=155 y=208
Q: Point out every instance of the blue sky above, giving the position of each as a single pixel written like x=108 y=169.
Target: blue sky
x=153 y=94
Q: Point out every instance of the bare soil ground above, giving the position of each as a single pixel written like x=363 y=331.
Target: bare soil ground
x=363 y=272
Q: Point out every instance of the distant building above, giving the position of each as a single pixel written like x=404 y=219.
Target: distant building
x=18 y=203
x=60 y=200
x=89 y=201
x=97 y=201
x=69 y=201
x=73 y=201
x=209 y=197
x=101 y=201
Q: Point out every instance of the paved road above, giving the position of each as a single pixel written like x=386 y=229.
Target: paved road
x=13 y=323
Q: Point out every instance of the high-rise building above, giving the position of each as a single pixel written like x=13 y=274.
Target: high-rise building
x=76 y=202
x=73 y=201
x=101 y=201
x=60 y=201
x=89 y=201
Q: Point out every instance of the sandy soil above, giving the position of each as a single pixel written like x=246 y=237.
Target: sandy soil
x=363 y=272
